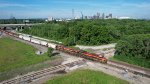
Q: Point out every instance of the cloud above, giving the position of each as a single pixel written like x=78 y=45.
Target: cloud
x=11 y=5
x=137 y=5
x=15 y=5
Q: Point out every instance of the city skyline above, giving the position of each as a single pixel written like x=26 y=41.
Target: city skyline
x=63 y=8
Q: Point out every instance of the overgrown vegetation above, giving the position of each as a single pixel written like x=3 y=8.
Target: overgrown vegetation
x=87 y=77
x=90 y=32
x=50 y=52
x=14 y=54
x=134 y=49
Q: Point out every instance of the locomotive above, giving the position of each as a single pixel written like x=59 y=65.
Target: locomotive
x=62 y=48
x=81 y=53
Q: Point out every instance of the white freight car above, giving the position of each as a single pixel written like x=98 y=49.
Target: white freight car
x=26 y=38
x=36 y=41
x=52 y=45
x=44 y=43
x=21 y=36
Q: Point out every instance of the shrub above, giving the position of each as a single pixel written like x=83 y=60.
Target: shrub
x=136 y=47
x=50 y=52
x=69 y=42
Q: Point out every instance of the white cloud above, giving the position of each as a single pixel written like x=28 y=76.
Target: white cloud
x=137 y=5
x=15 y=5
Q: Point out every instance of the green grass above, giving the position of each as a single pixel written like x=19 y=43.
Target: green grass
x=87 y=77
x=133 y=60
x=14 y=54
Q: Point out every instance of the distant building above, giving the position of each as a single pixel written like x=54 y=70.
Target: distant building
x=68 y=19
x=103 y=16
x=98 y=15
x=26 y=21
x=94 y=17
x=50 y=19
x=12 y=17
x=124 y=18
x=90 y=17
x=77 y=17
x=110 y=15
x=86 y=17
x=107 y=17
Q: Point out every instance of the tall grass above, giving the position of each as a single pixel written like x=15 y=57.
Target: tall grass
x=132 y=60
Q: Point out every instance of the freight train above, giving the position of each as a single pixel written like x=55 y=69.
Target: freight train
x=62 y=48
x=81 y=53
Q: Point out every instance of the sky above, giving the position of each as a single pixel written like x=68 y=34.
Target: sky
x=63 y=8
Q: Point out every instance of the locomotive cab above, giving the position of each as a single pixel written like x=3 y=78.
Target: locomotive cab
x=103 y=60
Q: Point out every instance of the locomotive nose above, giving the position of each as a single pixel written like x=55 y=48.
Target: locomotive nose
x=104 y=60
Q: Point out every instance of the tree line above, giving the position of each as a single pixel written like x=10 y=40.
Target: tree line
x=90 y=32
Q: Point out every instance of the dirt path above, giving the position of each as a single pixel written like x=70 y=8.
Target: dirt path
x=97 y=47
x=106 y=50
x=122 y=74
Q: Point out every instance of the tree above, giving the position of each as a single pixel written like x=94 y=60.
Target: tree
x=69 y=41
x=134 y=49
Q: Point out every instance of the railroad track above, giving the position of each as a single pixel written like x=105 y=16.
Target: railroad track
x=28 y=78
x=130 y=68
x=124 y=66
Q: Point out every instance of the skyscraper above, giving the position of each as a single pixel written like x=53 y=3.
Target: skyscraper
x=110 y=15
x=103 y=16
x=94 y=17
x=86 y=17
x=98 y=15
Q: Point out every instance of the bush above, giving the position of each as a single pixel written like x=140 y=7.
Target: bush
x=136 y=47
x=50 y=52
x=69 y=42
